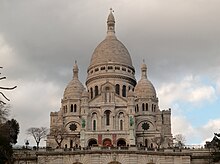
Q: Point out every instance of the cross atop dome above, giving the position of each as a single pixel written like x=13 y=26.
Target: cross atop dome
x=111 y=23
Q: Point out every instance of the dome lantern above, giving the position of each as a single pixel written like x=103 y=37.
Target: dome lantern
x=144 y=70
x=75 y=70
x=111 y=23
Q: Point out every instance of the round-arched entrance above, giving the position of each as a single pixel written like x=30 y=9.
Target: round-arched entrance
x=107 y=142
x=121 y=142
x=92 y=142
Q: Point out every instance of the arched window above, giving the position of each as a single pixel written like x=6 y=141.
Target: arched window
x=94 y=125
x=96 y=90
x=121 y=124
x=137 y=108
x=117 y=89
x=124 y=91
x=91 y=92
x=152 y=108
x=71 y=109
x=143 y=107
x=75 y=107
x=107 y=115
x=65 y=109
x=146 y=106
x=71 y=143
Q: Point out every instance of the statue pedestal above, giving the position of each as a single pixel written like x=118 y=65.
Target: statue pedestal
x=131 y=136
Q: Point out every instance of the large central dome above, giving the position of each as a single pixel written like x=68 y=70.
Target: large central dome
x=111 y=61
x=111 y=50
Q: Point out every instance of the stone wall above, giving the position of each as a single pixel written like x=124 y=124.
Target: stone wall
x=99 y=155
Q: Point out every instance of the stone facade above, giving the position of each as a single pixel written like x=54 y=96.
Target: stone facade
x=98 y=155
x=113 y=109
x=113 y=120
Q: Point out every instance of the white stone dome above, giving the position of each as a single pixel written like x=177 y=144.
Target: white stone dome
x=144 y=88
x=75 y=88
x=111 y=50
x=110 y=60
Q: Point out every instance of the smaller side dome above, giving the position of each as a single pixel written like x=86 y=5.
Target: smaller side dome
x=75 y=88
x=144 y=88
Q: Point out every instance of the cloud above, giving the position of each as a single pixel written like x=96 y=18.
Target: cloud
x=178 y=39
x=218 y=85
x=190 y=89
x=7 y=54
x=31 y=104
x=197 y=135
x=180 y=125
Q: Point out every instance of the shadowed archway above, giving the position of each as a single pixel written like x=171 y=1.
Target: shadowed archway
x=107 y=142
x=92 y=142
x=121 y=142
x=114 y=162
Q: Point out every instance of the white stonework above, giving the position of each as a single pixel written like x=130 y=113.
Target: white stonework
x=113 y=120
x=115 y=158
x=113 y=109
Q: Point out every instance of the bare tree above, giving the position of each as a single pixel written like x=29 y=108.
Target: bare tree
x=179 y=140
x=58 y=132
x=5 y=88
x=38 y=134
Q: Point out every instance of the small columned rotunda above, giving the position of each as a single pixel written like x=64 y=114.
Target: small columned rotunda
x=112 y=108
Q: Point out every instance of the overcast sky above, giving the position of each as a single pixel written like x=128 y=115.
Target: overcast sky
x=179 y=40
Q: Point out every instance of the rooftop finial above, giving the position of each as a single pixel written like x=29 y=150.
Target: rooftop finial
x=144 y=70
x=75 y=70
x=111 y=10
x=111 y=23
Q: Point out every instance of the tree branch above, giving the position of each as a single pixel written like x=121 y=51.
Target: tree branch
x=8 y=88
x=1 y=78
x=4 y=96
x=2 y=102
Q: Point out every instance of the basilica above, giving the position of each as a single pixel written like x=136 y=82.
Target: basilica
x=112 y=109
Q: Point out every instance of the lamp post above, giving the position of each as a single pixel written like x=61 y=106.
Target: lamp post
x=26 y=151
x=26 y=143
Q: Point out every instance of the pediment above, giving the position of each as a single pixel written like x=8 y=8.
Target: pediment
x=119 y=101
x=96 y=101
